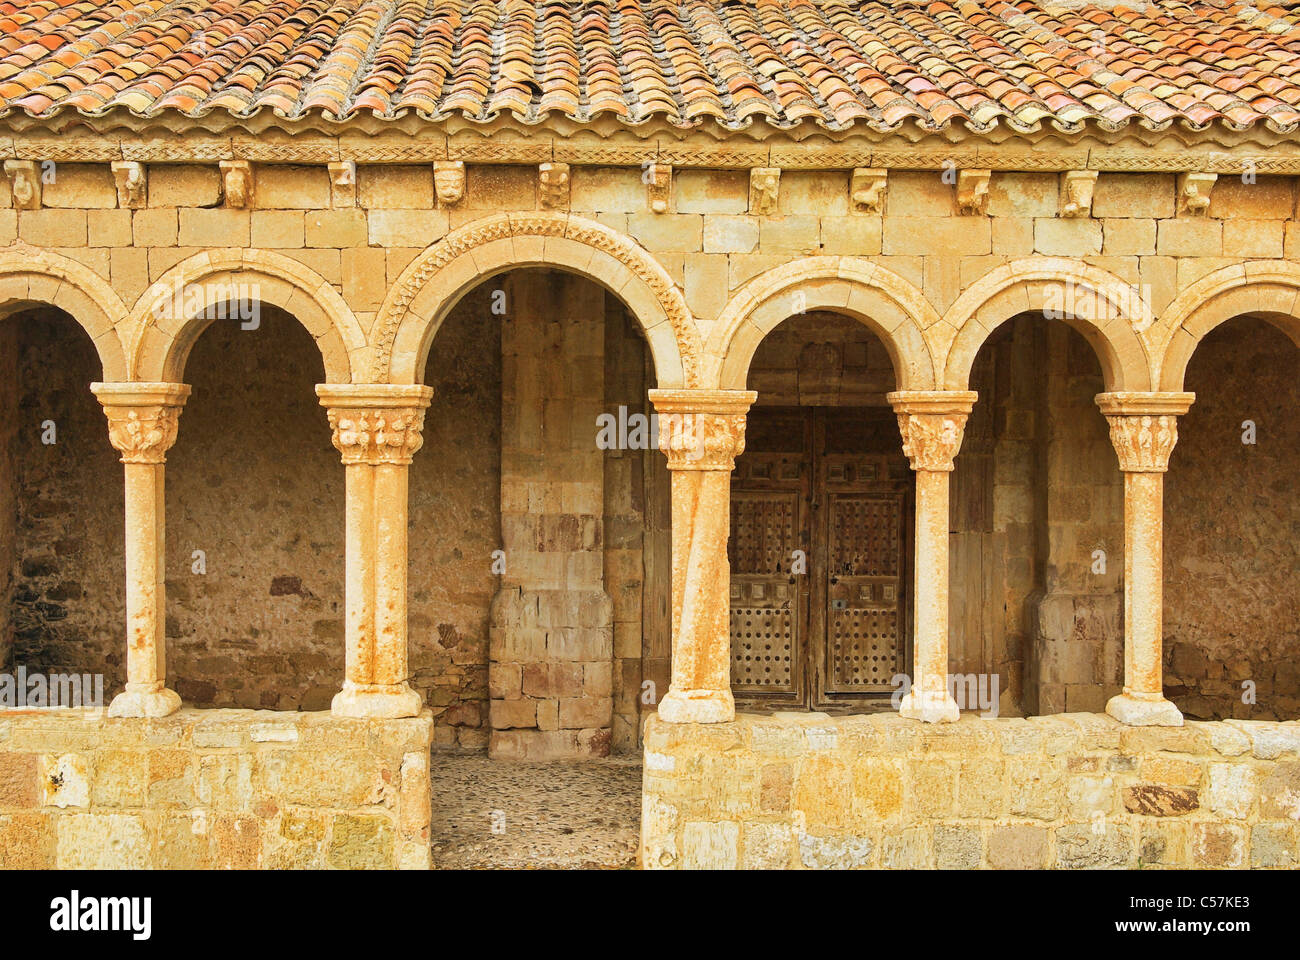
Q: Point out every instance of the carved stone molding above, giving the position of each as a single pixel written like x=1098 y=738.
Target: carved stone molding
x=500 y=227
x=702 y=429
x=25 y=183
x=1194 y=193
x=449 y=181
x=554 y=178
x=1076 y=192
x=932 y=423
x=659 y=186
x=764 y=190
x=143 y=418
x=129 y=177
x=343 y=184
x=237 y=179
x=1144 y=427
x=973 y=192
x=375 y=423
x=867 y=190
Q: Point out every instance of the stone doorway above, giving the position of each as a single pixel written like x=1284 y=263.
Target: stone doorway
x=820 y=549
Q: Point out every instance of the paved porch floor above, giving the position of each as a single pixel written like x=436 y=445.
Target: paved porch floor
x=510 y=814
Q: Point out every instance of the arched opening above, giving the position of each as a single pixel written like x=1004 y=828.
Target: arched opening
x=540 y=551
x=1036 y=555
x=61 y=530
x=1232 y=529
x=255 y=542
x=821 y=524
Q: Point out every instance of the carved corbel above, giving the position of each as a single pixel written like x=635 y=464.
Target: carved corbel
x=867 y=190
x=343 y=184
x=764 y=189
x=1076 y=192
x=659 y=186
x=237 y=179
x=449 y=181
x=25 y=182
x=555 y=185
x=973 y=192
x=129 y=177
x=1194 y=193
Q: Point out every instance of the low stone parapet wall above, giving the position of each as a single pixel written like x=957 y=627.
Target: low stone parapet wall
x=213 y=789
x=1066 y=791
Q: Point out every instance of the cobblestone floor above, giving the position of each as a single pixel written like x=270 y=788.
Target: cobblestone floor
x=566 y=816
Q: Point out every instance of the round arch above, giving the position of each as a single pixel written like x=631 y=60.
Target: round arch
x=29 y=276
x=170 y=315
x=434 y=282
x=1109 y=313
x=1269 y=289
x=890 y=307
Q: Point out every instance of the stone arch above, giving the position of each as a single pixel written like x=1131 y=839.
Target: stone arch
x=1269 y=289
x=1113 y=316
x=164 y=323
x=893 y=309
x=431 y=285
x=32 y=276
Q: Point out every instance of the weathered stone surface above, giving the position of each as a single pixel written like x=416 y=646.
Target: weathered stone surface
x=1157 y=800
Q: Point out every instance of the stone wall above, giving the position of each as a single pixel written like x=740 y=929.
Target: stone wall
x=9 y=421
x=551 y=636
x=1232 y=532
x=66 y=550
x=214 y=789
x=1069 y=791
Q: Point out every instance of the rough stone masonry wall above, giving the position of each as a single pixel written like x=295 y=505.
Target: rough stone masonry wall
x=1232 y=531
x=214 y=789
x=1068 y=792
x=551 y=636
x=9 y=420
x=67 y=598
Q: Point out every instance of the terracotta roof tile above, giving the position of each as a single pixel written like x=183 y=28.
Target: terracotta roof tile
x=832 y=62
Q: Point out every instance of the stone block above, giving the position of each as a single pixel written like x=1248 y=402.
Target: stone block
x=183 y=185
x=1017 y=847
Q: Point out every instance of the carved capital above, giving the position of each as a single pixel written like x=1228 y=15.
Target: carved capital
x=702 y=429
x=932 y=423
x=237 y=180
x=973 y=192
x=1194 y=193
x=1144 y=427
x=764 y=189
x=867 y=190
x=449 y=181
x=129 y=177
x=375 y=423
x=143 y=418
x=555 y=185
x=1076 y=192
x=25 y=182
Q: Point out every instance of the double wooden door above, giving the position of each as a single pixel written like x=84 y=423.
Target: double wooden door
x=821 y=507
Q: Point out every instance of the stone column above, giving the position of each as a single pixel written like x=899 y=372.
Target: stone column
x=931 y=423
x=142 y=423
x=701 y=432
x=1144 y=429
x=377 y=429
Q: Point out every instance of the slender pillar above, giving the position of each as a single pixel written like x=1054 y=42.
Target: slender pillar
x=701 y=432
x=377 y=429
x=1143 y=430
x=931 y=423
x=142 y=422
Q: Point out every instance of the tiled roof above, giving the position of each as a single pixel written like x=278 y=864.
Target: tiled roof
x=838 y=63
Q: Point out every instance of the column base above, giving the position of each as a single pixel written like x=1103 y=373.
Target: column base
x=929 y=707
x=697 y=706
x=145 y=700
x=1137 y=712
x=376 y=701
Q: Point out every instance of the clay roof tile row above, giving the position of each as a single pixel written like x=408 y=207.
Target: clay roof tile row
x=836 y=63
